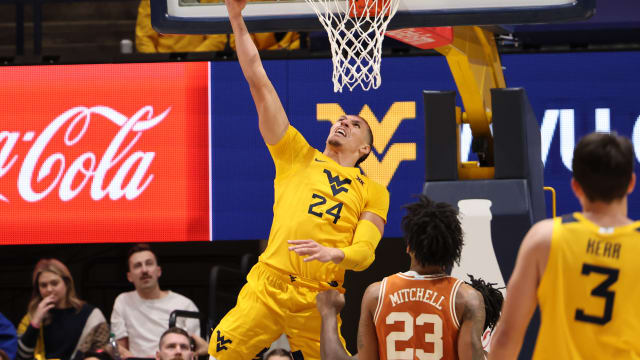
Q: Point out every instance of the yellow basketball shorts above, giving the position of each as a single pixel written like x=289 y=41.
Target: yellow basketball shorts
x=271 y=303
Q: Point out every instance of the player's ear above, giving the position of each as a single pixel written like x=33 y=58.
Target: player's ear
x=632 y=184
x=577 y=189
x=365 y=149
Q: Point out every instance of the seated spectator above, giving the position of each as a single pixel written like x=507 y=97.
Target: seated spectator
x=140 y=317
x=175 y=344
x=97 y=355
x=58 y=324
x=278 y=354
x=8 y=337
x=150 y=41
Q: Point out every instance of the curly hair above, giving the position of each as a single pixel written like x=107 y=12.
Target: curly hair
x=433 y=233
x=493 y=300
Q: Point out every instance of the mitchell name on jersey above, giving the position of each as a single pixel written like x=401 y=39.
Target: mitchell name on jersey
x=417 y=294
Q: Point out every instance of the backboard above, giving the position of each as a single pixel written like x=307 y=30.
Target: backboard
x=210 y=16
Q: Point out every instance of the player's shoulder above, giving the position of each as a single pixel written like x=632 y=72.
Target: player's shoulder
x=373 y=187
x=539 y=236
x=543 y=227
x=294 y=134
x=570 y=218
x=373 y=290
x=468 y=300
x=371 y=297
x=292 y=138
x=467 y=293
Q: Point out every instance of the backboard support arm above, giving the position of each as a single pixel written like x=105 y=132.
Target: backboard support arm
x=475 y=65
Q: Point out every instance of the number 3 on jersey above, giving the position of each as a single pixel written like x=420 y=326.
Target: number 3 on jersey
x=407 y=333
x=332 y=211
x=602 y=291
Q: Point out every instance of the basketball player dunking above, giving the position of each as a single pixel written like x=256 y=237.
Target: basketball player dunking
x=327 y=218
x=422 y=313
x=581 y=268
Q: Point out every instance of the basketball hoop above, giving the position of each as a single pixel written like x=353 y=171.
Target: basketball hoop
x=356 y=29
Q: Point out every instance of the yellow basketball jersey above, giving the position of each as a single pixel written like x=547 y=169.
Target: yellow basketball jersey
x=589 y=297
x=316 y=198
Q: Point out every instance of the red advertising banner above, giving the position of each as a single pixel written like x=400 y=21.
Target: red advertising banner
x=104 y=153
x=424 y=37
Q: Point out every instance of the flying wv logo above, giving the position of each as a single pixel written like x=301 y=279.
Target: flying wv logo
x=336 y=183
x=382 y=164
x=221 y=342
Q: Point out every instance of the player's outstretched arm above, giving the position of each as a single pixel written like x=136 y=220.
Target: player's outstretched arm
x=272 y=119
x=521 y=292
x=329 y=304
x=470 y=336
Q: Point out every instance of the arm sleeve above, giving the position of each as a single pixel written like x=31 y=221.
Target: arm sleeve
x=290 y=151
x=27 y=339
x=361 y=253
x=118 y=326
x=95 y=334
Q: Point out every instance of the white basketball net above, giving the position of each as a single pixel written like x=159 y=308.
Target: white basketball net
x=356 y=32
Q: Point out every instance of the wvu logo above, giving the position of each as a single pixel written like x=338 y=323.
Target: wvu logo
x=221 y=342
x=383 y=163
x=336 y=183
x=260 y=355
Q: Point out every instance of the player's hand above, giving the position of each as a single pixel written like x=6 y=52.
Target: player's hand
x=316 y=251
x=234 y=7
x=329 y=302
x=43 y=308
x=202 y=346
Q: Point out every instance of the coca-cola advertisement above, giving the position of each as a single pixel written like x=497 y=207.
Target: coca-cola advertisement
x=105 y=153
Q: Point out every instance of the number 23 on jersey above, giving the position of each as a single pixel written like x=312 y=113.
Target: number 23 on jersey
x=406 y=336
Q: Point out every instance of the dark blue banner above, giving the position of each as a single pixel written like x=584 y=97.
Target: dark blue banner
x=572 y=94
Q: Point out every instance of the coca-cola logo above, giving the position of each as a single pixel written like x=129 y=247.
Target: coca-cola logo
x=128 y=169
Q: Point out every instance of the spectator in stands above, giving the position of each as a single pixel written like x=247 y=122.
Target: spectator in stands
x=175 y=344
x=8 y=337
x=97 y=355
x=150 y=41
x=140 y=317
x=278 y=354
x=58 y=325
